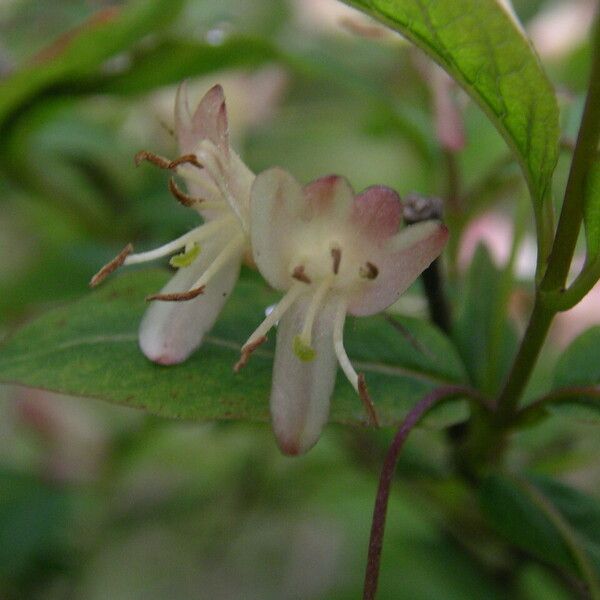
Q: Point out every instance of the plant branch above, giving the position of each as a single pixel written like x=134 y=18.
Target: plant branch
x=565 y=299
x=562 y=248
x=586 y=147
x=387 y=475
x=583 y=395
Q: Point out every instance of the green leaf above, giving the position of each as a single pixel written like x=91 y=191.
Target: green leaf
x=549 y=520
x=591 y=210
x=485 y=338
x=86 y=49
x=481 y=46
x=171 y=61
x=89 y=348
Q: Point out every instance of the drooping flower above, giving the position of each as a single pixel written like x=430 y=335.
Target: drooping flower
x=208 y=264
x=332 y=253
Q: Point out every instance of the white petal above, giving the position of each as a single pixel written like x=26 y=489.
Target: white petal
x=404 y=258
x=171 y=331
x=277 y=205
x=301 y=391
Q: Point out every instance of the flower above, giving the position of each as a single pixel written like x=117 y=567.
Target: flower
x=332 y=253
x=218 y=185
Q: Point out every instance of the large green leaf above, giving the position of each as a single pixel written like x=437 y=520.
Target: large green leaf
x=551 y=521
x=483 y=48
x=89 y=348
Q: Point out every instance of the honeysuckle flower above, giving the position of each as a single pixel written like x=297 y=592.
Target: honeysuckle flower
x=332 y=253
x=209 y=256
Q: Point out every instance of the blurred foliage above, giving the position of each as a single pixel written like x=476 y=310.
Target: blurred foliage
x=102 y=501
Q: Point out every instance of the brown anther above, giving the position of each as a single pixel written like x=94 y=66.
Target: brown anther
x=113 y=265
x=181 y=196
x=155 y=159
x=336 y=254
x=368 y=271
x=165 y=163
x=299 y=274
x=247 y=351
x=186 y=159
x=367 y=402
x=177 y=296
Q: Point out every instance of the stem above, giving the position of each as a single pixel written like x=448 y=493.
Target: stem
x=583 y=157
x=563 y=246
x=582 y=395
x=566 y=299
x=386 y=477
x=525 y=361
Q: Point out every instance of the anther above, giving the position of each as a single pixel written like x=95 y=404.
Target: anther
x=186 y=159
x=155 y=159
x=336 y=254
x=247 y=351
x=113 y=265
x=367 y=402
x=181 y=196
x=178 y=296
x=368 y=271
x=165 y=163
x=299 y=274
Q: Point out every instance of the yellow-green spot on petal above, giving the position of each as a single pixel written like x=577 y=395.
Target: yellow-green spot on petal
x=185 y=259
x=302 y=350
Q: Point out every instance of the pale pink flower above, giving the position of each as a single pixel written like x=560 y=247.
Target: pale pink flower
x=332 y=253
x=218 y=185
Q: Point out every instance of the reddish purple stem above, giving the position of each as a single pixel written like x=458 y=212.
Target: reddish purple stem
x=387 y=475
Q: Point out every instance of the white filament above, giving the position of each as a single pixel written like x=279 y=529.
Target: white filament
x=338 y=344
x=195 y=235
x=278 y=310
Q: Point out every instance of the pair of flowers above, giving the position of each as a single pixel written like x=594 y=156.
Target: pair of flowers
x=332 y=252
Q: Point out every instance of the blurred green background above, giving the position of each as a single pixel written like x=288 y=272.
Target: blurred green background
x=98 y=501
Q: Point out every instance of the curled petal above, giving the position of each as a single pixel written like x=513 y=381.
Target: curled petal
x=406 y=256
x=171 y=331
x=377 y=212
x=277 y=206
x=301 y=390
x=209 y=120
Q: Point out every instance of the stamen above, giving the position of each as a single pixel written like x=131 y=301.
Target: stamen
x=231 y=249
x=336 y=254
x=195 y=235
x=278 y=311
x=177 y=296
x=316 y=302
x=160 y=161
x=113 y=265
x=181 y=196
x=299 y=274
x=338 y=344
x=186 y=159
x=164 y=163
x=247 y=349
x=368 y=271
x=367 y=402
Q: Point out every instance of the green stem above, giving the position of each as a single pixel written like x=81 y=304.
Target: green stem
x=583 y=157
x=563 y=247
x=566 y=299
x=525 y=361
